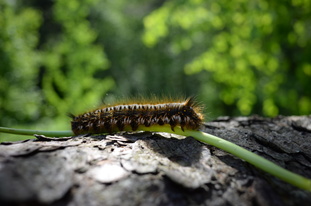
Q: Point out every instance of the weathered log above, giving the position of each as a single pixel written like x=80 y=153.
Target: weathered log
x=158 y=169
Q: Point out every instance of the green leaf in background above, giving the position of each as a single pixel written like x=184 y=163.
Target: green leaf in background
x=239 y=57
x=256 y=51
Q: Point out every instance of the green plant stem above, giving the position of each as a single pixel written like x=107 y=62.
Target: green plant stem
x=39 y=132
x=252 y=158
x=256 y=160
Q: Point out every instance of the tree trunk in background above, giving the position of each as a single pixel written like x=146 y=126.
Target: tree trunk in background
x=158 y=169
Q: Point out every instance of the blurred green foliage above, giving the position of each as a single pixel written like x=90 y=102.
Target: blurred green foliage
x=71 y=60
x=49 y=63
x=239 y=57
x=19 y=62
x=255 y=54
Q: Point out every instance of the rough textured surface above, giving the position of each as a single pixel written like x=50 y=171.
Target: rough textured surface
x=148 y=169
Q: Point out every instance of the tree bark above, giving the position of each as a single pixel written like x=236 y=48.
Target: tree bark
x=159 y=169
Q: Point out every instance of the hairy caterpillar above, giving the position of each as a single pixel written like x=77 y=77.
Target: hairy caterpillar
x=128 y=117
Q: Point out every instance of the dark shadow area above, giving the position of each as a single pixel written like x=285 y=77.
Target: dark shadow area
x=184 y=196
x=185 y=152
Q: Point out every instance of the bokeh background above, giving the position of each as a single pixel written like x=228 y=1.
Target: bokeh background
x=239 y=57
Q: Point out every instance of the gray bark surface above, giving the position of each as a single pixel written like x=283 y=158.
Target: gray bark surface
x=158 y=169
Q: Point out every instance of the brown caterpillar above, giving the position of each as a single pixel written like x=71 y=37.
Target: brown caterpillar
x=128 y=117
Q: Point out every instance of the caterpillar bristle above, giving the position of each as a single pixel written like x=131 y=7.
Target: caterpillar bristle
x=116 y=118
x=71 y=115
